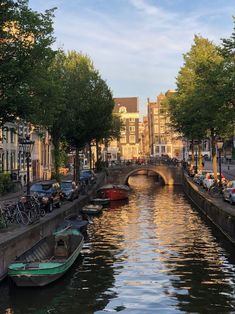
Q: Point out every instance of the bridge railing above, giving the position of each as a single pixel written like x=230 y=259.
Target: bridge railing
x=154 y=162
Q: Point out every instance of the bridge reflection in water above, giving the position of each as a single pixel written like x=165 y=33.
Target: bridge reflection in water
x=154 y=254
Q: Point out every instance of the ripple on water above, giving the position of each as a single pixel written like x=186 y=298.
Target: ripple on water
x=154 y=254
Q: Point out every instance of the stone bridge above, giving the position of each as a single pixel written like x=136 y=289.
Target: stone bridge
x=171 y=175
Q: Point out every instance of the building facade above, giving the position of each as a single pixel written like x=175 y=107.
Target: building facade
x=163 y=140
x=127 y=148
x=13 y=157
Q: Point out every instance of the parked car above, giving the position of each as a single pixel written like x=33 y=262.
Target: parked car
x=229 y=192
x=88 y=176
x=49 y=194
x=200 y=176
x=210 y=179
x=69 y=189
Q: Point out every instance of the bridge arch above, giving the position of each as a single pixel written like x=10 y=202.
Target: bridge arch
x=157 y=171
x=171 y=175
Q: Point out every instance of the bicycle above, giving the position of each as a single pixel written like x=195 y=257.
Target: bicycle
x=216 y=190
x=32 y=207
x=12 y=212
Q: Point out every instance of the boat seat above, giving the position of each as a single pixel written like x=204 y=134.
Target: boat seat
x=62 y=245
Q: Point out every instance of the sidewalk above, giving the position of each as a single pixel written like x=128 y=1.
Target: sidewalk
x=12 y=196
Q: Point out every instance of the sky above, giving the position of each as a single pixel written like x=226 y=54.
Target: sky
x=137 y=45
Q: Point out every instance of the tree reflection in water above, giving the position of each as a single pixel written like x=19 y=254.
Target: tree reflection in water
x=153 y=254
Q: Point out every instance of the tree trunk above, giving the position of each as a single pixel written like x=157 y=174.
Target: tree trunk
x=56 y=143
x=77 y=166
x=90 y=154
x=192 y=161
x=97 y=150
x=200 y=156
x=214 y=157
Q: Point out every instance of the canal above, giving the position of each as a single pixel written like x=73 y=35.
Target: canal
x=154 y=254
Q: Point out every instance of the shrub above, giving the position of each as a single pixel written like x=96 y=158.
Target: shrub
x=6 y=184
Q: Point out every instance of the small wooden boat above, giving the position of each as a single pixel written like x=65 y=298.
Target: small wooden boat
x=100 y=201
x=47 y=260
x=92 y=209
x=78 y=222
x=114 y=191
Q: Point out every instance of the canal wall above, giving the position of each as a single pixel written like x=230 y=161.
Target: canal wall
x=14 y=242
x=220 y=213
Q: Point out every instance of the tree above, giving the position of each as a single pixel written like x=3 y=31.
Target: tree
x=51 y=111
x=200 y=103
x=26 y=38
x=89 y=103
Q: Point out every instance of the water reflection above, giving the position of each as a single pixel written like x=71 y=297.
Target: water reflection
x=153 y=254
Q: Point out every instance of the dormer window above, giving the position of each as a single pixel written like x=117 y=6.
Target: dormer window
x=122 y=109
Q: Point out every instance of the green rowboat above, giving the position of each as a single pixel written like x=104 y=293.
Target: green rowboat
x=47 y=260
x=100 y=201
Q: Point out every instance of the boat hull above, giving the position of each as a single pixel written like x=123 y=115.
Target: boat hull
x=92 y=209
x=114 y=193
x=39 y=274
x=100 y=201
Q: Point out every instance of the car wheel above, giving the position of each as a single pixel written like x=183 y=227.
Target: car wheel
x=231 y=200
x=50 y=207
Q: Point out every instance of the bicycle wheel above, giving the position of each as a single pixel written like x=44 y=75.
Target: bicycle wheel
x=31 y=215
x=215 y=191
x=22 y=218
x=42 y=212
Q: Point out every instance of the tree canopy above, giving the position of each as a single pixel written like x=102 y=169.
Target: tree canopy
x=25 y=51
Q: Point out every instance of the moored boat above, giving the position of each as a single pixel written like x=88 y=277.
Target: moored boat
x=100 y=201
x=47 y=260
x=114 y=191
x=92 y=209
x=78 y=222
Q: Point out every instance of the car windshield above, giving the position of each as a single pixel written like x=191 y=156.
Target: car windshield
x=66 y=185
x=41 y=188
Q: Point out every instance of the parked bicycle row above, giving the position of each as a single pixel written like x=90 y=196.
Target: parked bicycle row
x=25 y=211
x=216 y=188
x=44 y=197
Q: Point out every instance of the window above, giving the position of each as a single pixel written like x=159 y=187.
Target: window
x=5 y=135
x=132 y=139
x=157 y=149
x=123 y=139
x=132 y=129
x=163 y=149
x=12 y=135
x=132 y=120
x=155 y=110
x=156 y=128
x=156 y=120
x=168 y=149
x=122 y=109
x=162 y=129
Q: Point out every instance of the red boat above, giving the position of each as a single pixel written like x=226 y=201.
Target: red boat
x=114 y=192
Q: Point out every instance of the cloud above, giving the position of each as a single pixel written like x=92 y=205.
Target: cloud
x=135 y=45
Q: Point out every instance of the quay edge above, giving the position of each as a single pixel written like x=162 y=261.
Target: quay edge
x=15 y=242
x=221 y=214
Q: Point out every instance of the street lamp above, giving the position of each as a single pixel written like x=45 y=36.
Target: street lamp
x=220 y=147
x=27 y=146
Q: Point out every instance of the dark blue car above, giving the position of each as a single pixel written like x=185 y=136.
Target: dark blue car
x=87 y=176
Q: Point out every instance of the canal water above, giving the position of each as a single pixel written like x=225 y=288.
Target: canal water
x=154 y=254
